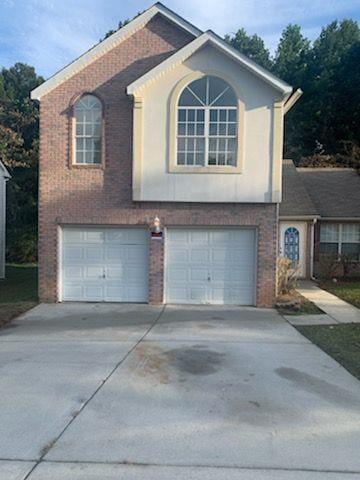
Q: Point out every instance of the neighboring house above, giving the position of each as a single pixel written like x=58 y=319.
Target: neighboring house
x=4 y=177
x=160 y=170
x=320 y=217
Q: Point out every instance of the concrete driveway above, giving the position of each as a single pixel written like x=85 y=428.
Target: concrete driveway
x=94 y=392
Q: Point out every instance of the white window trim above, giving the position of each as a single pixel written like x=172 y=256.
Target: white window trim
x=173 y=114
x=74 y=136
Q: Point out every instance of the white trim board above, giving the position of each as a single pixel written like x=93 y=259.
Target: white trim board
x=184 y=53
x=108 y=44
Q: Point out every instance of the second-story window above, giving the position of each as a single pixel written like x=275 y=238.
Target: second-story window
x=207 y=124
x=88 y=130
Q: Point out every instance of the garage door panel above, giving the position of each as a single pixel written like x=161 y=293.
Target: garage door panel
x=199 y=274
x=178 y=275
x=199 y=255
x=73 y=253
x=215 y=266
x=115 y=253
x=178 y=255
x=198 y=237
x=134 y=274
x=73 y=273
x=93 y=273
x=93 y=254
x=135 y=255
x=73 y=291
x=100 y=265
x=93 y=292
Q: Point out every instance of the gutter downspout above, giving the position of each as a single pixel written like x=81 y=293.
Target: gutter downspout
x=294 y=97
x=312 y=249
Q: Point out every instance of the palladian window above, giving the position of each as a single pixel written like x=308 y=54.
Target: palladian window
x=207 y=124
x=88 y=129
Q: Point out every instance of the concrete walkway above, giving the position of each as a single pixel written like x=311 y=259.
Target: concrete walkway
x=337 y=310
x=136 y=392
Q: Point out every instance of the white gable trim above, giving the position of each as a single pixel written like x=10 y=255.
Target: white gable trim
x=189 y=49
x=3 y=172
x=108 y=44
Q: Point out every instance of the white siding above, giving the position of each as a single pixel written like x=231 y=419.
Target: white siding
x=253 y=184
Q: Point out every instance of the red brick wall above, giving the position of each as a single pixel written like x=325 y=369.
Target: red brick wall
x=102 y=196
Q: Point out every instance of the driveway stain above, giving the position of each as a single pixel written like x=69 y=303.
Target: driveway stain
x=195 y=360
x=317 y=386
x=159 y=364
x=152 y=362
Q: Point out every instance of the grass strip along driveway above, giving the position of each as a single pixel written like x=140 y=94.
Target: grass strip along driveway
x=18 y=292
x=348 y=290
x=341 y=342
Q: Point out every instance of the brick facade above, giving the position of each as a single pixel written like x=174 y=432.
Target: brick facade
x=97 y=195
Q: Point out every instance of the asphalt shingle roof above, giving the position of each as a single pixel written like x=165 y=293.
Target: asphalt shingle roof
x=328 y=192
x=295 y=199
x=335 y=191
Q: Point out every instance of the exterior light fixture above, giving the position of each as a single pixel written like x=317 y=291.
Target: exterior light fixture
x=157 y=225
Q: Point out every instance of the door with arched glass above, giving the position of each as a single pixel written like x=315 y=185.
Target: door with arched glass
x=292 y=244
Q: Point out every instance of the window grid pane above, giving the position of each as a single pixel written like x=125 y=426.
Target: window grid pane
x=350 y=233
x=207 y=130
x=329 y=233
x=88 y=118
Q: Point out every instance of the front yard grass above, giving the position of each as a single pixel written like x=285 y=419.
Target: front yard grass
x=348 y=290
x=342 y=342
x=18 y=292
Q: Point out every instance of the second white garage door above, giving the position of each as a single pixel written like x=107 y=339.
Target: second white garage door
x=104 y=264
x=210 y=266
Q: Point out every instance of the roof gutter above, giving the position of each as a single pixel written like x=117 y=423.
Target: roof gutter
x=299 y=217
x=294 y=97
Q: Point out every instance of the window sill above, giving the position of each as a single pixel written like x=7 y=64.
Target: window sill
x=214 y=169
x=86 y=166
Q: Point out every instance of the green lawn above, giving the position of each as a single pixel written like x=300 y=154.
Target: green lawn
x=348 y=290
x=18 y=292
x=342 y=342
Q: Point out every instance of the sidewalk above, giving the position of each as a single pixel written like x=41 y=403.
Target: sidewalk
x=336 y=310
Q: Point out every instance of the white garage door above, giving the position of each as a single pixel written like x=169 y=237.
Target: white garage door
x=105 y=265
x=215 y=266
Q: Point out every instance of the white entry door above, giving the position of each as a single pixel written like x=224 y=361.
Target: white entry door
x=210 y=266
x=293 y=243
x=104 y=264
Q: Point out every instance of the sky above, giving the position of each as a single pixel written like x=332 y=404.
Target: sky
x=48 y=34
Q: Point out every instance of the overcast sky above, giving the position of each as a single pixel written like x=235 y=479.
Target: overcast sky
x=48 y=34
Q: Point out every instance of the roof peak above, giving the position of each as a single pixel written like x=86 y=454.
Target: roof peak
x=109 y=43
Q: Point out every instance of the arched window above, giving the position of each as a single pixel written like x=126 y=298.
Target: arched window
x=292 y=244
x=207 y=124
x=88 y=127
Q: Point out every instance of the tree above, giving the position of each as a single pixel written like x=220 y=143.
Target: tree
x=110 y=32
x=19 y=118
x=292 y=56
x=318 y=105
x=252 y=46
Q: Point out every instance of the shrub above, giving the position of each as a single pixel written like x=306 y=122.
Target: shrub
x=22 y=248
x=287 y=275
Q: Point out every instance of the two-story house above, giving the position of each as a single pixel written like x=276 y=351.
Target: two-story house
x=160 y=170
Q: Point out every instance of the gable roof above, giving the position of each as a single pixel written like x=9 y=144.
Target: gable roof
x=296 y=201
x=209 y=37
x=3 y=172
x=334 y=191
x=111 y=42
x=320 y=192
